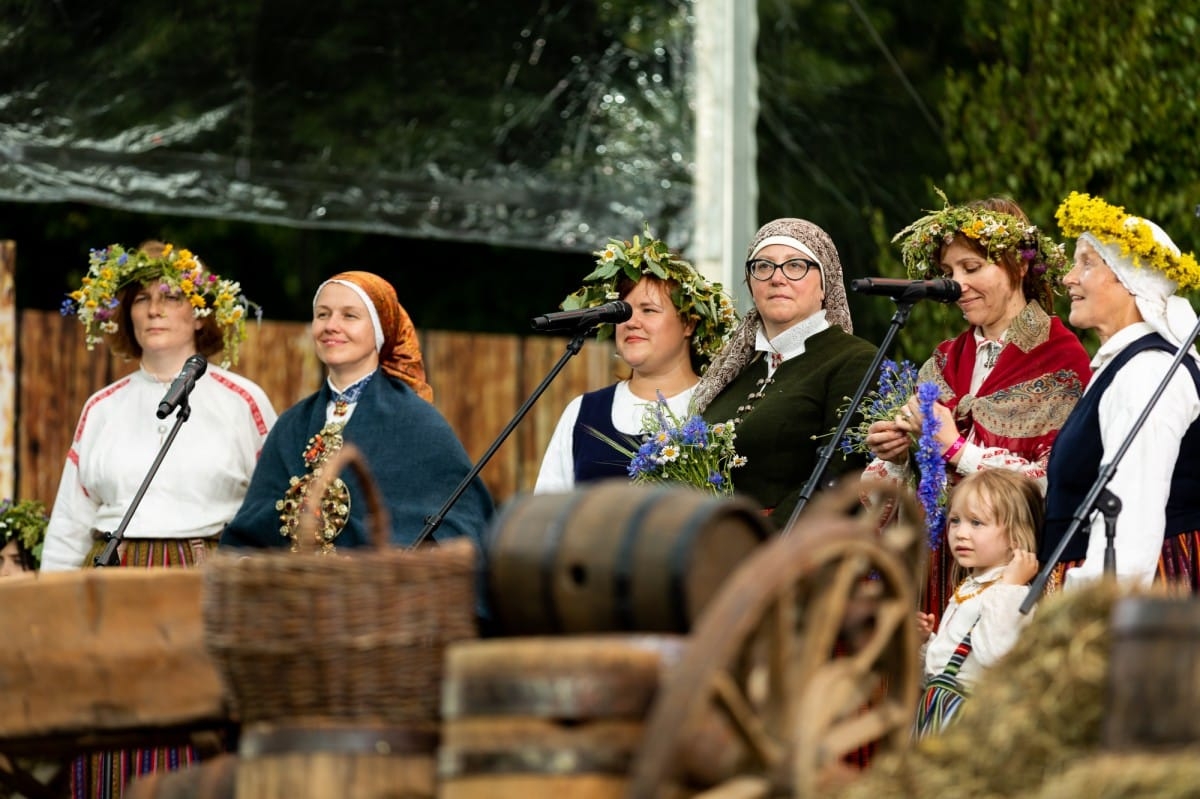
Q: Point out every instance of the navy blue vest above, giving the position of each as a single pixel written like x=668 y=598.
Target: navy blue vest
x=596 y=459
x=1075 y=463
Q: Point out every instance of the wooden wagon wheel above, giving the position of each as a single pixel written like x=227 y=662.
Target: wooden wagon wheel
x=806 y=654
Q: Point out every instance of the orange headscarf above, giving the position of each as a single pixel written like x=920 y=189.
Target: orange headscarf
x=400 y=352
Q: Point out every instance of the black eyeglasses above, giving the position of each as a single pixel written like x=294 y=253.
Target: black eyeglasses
x=794 y=269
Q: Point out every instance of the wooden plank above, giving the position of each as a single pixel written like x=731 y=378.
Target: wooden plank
x=8 y=367
x=83 y=633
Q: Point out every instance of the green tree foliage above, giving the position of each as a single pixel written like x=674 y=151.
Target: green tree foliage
x=1060 y=95
x=1088 y=95
x=848 y=133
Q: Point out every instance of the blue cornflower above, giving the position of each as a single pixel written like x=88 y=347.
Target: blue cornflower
x=930 y=464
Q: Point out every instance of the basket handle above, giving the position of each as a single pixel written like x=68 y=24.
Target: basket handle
x=378 y=523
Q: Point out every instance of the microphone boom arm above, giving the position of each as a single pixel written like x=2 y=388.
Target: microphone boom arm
x=903 y=309
x=108 y=556
x=435 y=521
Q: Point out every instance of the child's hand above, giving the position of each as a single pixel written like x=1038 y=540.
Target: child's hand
x=925 y=622
x=1021 y=569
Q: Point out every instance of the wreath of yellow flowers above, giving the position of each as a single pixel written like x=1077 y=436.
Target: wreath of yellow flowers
x=1082 y=213
x=696 y=297
x=114 y=267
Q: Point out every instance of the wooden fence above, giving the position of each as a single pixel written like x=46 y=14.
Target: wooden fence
x=479 y=383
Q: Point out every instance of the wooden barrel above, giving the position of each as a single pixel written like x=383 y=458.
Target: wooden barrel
x=210 y=779
x=613 y=557
x=1154 y=674
x=546 y=717
x=318 y=759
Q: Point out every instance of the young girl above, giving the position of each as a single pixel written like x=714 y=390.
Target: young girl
x=992 y=526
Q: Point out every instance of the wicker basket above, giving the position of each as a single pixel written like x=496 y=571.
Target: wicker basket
x=349 y=637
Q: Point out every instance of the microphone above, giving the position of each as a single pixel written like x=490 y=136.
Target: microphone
x=942 y=290
x=177 y=394
x=583 y=318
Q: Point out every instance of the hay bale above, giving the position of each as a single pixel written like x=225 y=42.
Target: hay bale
x=1032 y=716
x=1174 y=775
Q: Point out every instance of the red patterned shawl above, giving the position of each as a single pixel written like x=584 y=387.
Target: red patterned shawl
x=1039 y=376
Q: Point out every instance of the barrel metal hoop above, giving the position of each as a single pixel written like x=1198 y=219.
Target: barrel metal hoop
x=682 y=550
x=260 y=741
x=534 y=760
x=623 y=567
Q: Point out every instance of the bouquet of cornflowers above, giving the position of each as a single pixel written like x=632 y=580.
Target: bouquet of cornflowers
x=898 y=382
x=688 y=451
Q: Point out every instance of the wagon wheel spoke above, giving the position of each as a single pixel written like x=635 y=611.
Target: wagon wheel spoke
x=889 y=617
x=825 y=614
x=738 y=788
x=745 y=721
x=858 y=731
x=782 y=651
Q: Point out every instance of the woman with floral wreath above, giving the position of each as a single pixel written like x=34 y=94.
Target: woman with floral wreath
x=1005 y=384
x=160 y=305
x=375 y=396
x=1123 y=285
x=786 y=371
x=679 y=321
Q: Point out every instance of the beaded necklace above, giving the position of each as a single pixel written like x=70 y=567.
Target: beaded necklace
x=961 y=598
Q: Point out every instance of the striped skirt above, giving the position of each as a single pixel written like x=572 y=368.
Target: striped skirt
x=104 y=775
x=1178 y=566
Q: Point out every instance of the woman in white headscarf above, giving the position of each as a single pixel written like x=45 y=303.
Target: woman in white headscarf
x=1123 y=286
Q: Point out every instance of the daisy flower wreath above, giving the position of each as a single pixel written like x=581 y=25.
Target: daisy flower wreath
x=696 y=297
x=996 y=232
x=114 y=267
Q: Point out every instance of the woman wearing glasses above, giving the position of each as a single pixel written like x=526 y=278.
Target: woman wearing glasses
x=787 y=369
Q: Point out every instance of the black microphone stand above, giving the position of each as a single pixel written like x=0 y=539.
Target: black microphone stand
x=434 y=521
x=899 y=318
x=1111 y=506
x=108 y=556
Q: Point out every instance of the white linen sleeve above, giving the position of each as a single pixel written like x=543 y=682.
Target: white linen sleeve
x=68 y=535
x=557 y=473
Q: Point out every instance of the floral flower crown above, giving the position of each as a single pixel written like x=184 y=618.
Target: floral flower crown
x=995 y=231
x=25 y=521
x=697 y=298
x=1082 y=213
x=114 y=267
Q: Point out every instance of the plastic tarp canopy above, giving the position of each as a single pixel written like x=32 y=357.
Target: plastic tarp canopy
x=541 y=124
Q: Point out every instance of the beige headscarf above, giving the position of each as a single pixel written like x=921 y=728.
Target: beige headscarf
x=395 y=335
x=737 y=352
